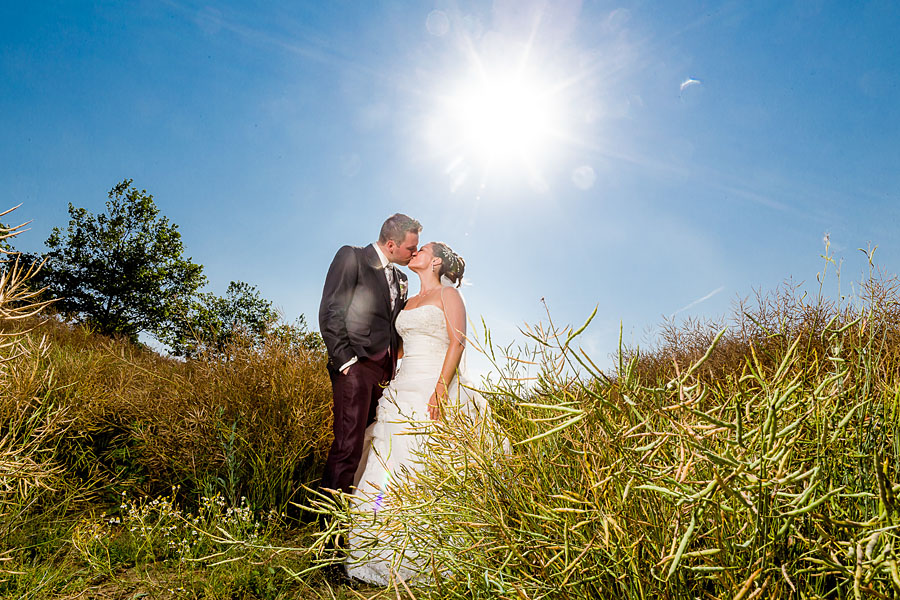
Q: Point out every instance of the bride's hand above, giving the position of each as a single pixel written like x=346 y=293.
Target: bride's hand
x=434 y=407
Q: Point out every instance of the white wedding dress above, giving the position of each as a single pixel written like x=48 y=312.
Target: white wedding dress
x=398 y=437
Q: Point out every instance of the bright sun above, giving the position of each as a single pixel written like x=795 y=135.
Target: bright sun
x=507 y=117
x=503 y=120
x=497 y=122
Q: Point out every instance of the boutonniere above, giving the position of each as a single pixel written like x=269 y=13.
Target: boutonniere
x=404 y=286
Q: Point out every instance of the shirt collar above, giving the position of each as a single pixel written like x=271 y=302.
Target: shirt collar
x=384 y=261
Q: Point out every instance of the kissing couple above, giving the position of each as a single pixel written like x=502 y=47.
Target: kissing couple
x=368 y=324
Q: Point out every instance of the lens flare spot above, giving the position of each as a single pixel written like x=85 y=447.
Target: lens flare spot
x=584 y=177
x=350 y=164
x=437 y=23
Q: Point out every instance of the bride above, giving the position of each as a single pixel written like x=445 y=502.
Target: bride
x=432 y=327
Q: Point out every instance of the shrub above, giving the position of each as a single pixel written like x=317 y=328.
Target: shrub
x=254 y=424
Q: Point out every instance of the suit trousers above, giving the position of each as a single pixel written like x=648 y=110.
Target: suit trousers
x=356 y=396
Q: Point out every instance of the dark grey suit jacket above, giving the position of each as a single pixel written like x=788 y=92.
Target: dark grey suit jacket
x=355 y=316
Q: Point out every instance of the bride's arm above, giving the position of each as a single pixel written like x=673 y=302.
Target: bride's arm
x=455 y=316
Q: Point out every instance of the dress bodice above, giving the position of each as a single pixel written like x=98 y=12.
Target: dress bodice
x=425 y=340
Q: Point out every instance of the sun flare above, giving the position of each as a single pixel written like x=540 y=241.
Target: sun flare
x=506 y=115
x=503 y=119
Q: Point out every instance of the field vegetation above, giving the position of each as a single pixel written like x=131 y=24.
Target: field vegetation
x=756 y=457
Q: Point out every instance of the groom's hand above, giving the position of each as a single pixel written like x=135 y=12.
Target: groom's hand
x=345 y=368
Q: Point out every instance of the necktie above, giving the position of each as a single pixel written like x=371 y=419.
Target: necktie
x=392 y=284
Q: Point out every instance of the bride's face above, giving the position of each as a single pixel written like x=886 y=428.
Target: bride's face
x=422 y=260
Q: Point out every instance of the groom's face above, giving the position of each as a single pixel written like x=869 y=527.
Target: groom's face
x=402 y=253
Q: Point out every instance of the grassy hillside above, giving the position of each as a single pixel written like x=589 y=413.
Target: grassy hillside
x=754 y=460
x=105 y=442
x=758 y=460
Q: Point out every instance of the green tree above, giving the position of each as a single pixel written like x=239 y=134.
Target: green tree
x=214 y=323
x=121 y=271
x=297 y=336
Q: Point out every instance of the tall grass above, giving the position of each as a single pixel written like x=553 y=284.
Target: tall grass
x=758 y=460
x=253 y=424
x=96 y=433
x=748 y=458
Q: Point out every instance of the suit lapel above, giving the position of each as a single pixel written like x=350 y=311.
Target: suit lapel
x=380 y=280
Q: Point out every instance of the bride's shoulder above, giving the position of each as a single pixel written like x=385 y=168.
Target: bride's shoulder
x=450 y=297
x=448 y=291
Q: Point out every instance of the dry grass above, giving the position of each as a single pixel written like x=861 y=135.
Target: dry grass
x=759 y=461
x=255 y=423
x=85 y=418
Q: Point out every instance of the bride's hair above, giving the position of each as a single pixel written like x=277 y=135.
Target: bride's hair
x=452 y=264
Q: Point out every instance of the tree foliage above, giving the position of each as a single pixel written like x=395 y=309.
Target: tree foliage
x=216 y=325
x=215 y=322
x=297 y=336
x=122 y=271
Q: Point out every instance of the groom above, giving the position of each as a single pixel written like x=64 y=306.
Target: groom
x=363 y=295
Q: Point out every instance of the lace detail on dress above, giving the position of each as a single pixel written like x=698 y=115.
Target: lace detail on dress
x=424 y=333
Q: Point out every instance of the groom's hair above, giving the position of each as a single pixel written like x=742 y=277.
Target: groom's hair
x=396 y=227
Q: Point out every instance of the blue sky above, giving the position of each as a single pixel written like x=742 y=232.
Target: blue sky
x=649 y=158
